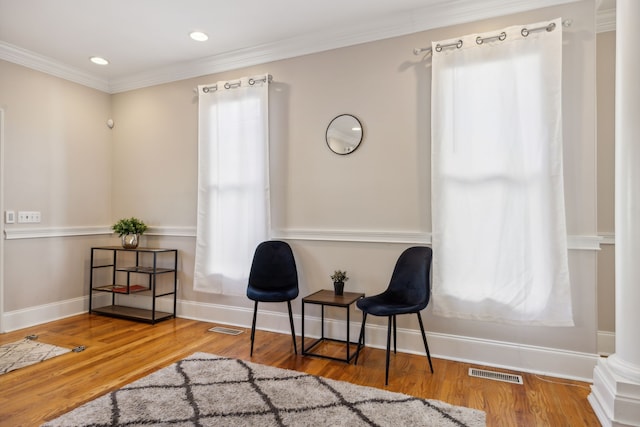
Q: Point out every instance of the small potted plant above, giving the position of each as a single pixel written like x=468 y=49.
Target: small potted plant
x=129 y=230
x=339 y=277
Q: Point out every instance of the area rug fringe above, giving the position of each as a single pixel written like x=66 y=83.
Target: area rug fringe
x=27 y=352
x=207 y=390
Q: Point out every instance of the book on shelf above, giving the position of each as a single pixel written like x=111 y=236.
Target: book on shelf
x=132 y=288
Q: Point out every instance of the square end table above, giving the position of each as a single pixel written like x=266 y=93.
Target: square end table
x=325 y=298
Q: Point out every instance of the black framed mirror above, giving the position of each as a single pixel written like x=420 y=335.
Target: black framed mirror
x=344 y=134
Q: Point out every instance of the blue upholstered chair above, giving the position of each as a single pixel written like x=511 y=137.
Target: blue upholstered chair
x=408 y=293
x=273 y=278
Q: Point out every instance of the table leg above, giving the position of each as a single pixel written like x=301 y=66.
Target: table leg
x=303 y=351
x=348 y=334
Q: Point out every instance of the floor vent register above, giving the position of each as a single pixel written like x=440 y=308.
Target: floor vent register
x=497 y=376
x=228 y=331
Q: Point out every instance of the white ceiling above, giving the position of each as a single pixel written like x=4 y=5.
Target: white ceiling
x=147 y=41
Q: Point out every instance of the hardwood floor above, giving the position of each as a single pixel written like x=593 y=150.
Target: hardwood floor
x=120 y=351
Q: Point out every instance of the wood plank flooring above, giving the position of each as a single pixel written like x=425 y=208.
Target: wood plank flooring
x=120 y=351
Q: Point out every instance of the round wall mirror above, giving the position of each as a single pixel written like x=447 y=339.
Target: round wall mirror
x=344 y=134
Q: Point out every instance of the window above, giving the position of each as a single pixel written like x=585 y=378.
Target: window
x=233 y=183
x=499 y=233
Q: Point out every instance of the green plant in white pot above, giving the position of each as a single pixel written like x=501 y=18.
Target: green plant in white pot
x=129 y=230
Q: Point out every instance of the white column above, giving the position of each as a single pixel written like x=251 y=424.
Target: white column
x=615 y=395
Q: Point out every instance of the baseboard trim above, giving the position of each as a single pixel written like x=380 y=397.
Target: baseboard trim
x=522 y=358
x=19 y=319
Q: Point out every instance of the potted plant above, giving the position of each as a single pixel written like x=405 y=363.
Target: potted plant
x=339 y=277
x=129 y=230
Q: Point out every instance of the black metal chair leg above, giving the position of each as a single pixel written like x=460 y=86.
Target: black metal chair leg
x=424 y=339
x=253 y=325
x=293 y=332
x=361 y=337
x=386 y=374
x=395 y=335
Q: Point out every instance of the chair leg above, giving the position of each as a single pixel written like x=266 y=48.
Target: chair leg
x=424 y=339
x=253 y=325
x=395 y=335
x=361 y=337
x=386 y=373
x=293 y=332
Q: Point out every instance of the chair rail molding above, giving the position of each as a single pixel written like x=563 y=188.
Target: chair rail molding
x=15 y=233
x=574 y=242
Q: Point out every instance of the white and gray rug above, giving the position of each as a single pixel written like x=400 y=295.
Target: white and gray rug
x=26 y=352
x=209 y=390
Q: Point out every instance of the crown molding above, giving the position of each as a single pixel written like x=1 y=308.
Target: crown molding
x=26 y=58
x=440 y=14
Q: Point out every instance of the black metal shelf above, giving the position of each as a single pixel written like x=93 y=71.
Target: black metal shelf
x=139 y=262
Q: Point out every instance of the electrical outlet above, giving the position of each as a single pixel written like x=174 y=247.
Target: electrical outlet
x=28 y=217
x=9 y=217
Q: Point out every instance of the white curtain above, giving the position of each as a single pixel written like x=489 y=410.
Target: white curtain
x=499 y=233
x=233 y=182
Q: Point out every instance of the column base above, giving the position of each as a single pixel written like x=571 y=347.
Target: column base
x=615 y=399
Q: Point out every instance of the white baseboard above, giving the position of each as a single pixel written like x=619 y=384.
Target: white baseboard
x=37 y=315
x=523 y=358
x=18 y=319
x=615 y=398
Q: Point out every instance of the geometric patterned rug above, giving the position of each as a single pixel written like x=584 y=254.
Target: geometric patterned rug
x=209 y=390
x=26 y=352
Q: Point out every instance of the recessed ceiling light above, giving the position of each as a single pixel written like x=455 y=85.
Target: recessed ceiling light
x=199 y=36
x=98 y=60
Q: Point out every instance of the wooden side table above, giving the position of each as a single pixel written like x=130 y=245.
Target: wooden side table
x=329 y=298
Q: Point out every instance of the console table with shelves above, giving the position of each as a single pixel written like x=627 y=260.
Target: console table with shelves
x=140 y=272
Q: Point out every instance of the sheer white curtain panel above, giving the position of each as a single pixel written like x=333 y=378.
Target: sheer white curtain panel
x=233 y=182
x=499 y=233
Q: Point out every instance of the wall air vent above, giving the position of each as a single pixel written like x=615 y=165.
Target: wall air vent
x=228 y=331
x=498 y=376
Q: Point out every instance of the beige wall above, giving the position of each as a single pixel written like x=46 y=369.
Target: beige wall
x=57 y=148
x=146 y=166
x=57 y=160
x=383 y=187
x=606 y=47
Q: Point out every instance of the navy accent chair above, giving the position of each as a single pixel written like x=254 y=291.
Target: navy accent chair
x=408 y=293
x=273 y=278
